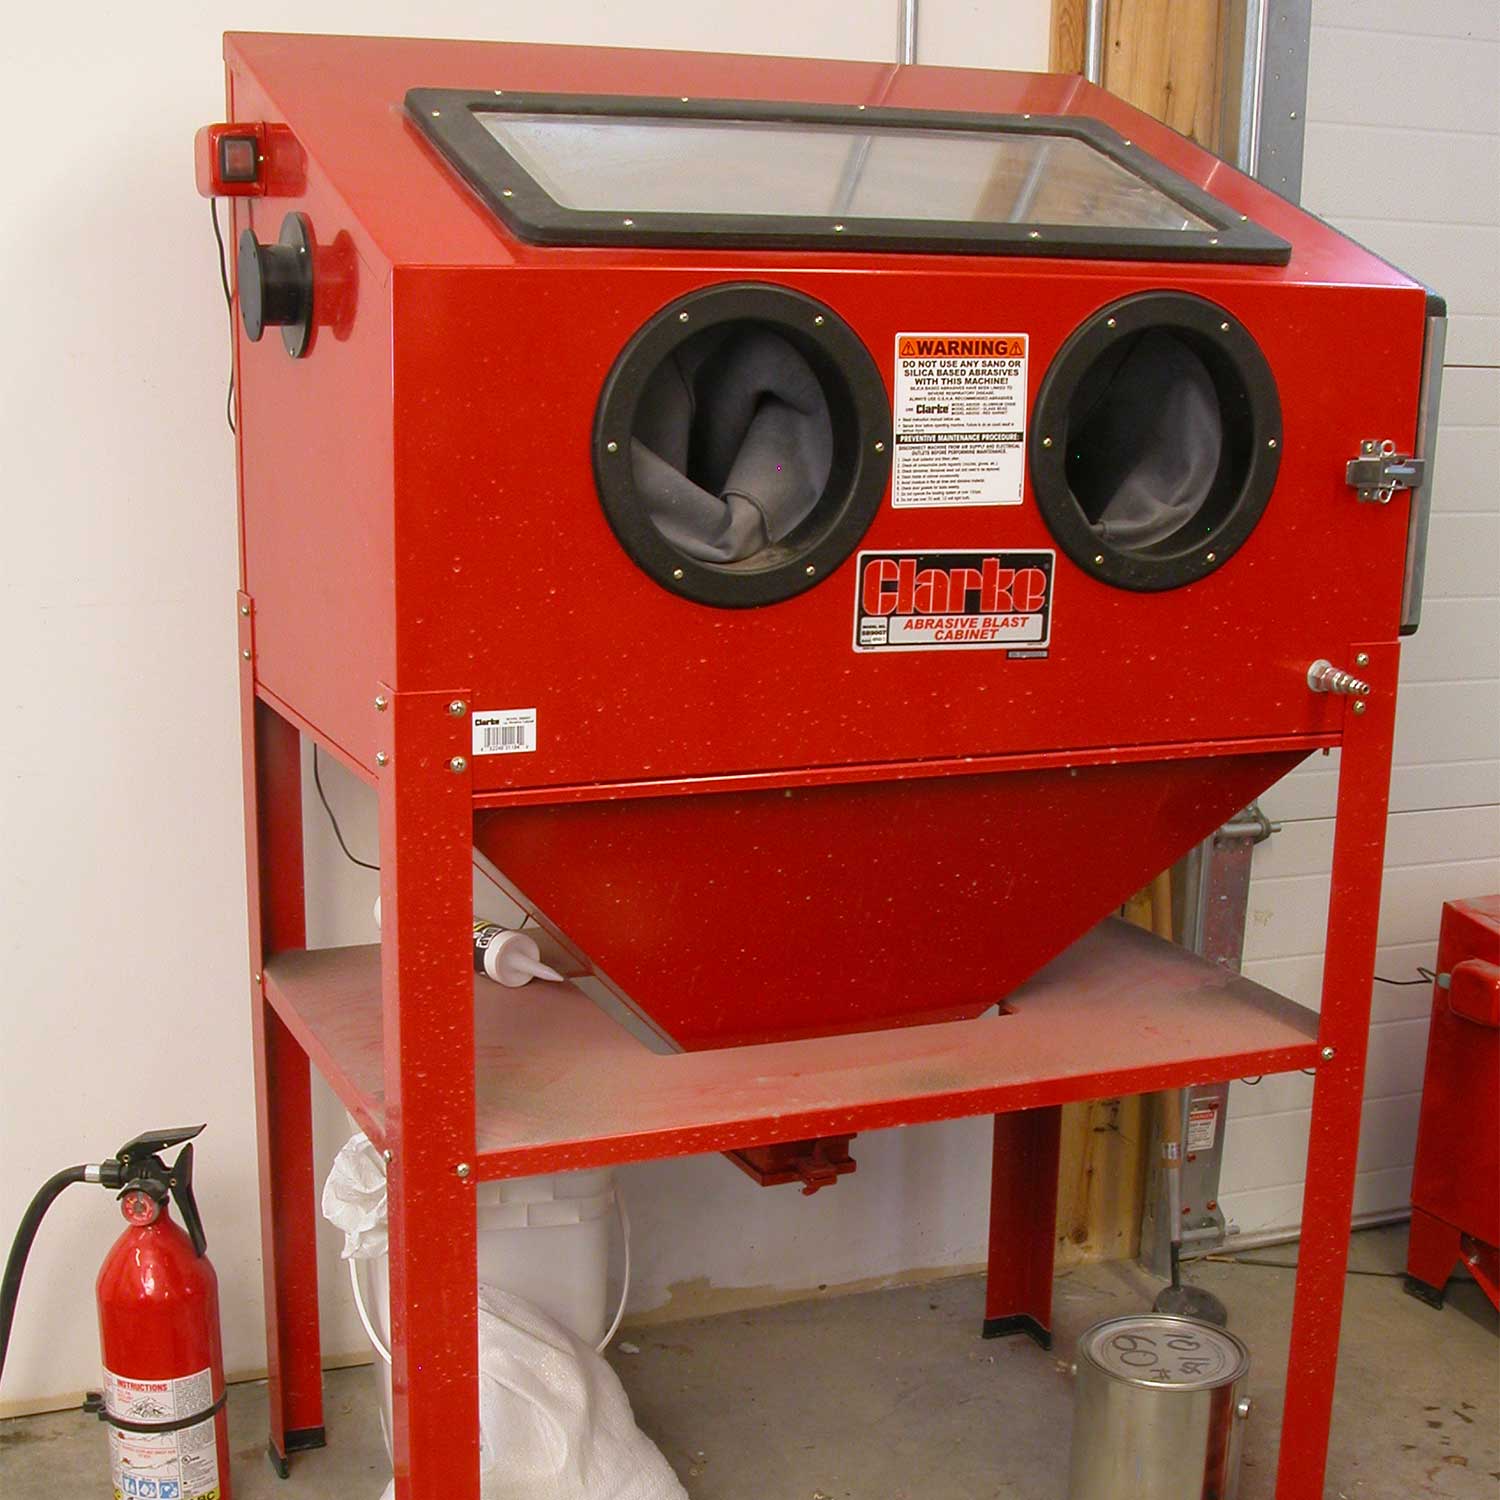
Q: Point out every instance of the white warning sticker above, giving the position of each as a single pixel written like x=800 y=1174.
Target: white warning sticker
x=180 y=1465
x=505 y=731
x=960 y=419
x=1202 y=1125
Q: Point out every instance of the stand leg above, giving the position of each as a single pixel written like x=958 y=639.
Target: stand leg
x=1348 y=978
x=1023 y=1224
x=426 y=892
x=283 y=1094
x=1431 y=1254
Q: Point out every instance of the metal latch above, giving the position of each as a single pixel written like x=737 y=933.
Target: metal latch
x=1380 y=471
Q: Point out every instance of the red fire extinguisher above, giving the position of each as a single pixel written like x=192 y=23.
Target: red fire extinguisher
x=158 y=1300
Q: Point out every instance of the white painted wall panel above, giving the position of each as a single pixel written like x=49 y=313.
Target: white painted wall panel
x=1403 y=152
x=1422 y=19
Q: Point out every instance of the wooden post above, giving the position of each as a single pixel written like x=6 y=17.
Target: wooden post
x=1163 y=56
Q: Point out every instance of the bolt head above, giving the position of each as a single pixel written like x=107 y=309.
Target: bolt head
x=381 y=758
x=388 y=1155
x=1270 y=442
x=1210 y=557
x=1359 y=705
x=1046 y=442
x=880 y=447
x=1111 y=322
x=457 y=707
x=1327 y=1054
x=819 y=321
x=458 y=765
x=1362 y=659
x=463 y=1169
x=1098 y=559
x=682 y=317
x=676 y=572
x=245 y=654
x=809 y=570
x=244 y=609
x=611 y=447
x=381 y=703
x=1223 y=327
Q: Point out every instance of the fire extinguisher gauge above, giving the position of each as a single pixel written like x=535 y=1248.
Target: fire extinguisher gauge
x=141 y=1202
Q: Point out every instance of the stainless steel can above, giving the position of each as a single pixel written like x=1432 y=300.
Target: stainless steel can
x=1160 y=1412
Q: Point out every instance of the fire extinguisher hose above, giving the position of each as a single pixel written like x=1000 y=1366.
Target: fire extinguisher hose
x=15 y=1264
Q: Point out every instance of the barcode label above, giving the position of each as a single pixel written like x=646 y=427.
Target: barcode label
x=505 y=731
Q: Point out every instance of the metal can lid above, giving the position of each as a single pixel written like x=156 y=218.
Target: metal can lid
x=1150 y=1349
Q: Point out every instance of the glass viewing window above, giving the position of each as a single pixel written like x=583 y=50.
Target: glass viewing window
x=572 y=169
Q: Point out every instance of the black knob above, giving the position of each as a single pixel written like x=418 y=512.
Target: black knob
x=276 y=284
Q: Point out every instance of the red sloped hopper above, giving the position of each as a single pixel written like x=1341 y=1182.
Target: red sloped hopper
x=735 y=918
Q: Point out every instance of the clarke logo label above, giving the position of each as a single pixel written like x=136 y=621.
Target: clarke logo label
x=936 y=601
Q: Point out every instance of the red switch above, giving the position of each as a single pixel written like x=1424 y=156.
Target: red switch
x=230 y=160
x=239 y=158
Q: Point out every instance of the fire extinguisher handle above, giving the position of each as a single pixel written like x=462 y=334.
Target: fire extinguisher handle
x=181 y=1183
x=153 y=1142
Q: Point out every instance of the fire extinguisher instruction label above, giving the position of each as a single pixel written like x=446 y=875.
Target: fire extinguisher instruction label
x=504 y=731
x=938 y=601
x=178 y=1465
x=960 y=416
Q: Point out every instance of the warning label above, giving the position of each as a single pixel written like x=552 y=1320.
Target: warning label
x=960 y=419
x=1202 y=1125
x=929 y=601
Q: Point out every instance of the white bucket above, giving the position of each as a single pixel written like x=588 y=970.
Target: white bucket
x=544 y=1239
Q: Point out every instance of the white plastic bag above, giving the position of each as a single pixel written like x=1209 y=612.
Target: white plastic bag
x=554 y=1420
x=354 y=1199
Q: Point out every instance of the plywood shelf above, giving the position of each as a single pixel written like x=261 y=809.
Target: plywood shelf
x=561 y=1085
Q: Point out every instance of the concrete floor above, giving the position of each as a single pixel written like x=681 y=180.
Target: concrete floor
x=891 y=1396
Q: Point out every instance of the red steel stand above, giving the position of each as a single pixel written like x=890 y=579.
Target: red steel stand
x=557 y=1085
x=1023 y=1218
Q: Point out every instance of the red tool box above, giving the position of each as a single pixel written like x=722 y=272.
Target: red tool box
x=828 y=533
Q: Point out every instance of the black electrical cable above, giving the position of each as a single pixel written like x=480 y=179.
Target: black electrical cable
x=338 y=833
x=1291 y=1265
x=15 y=1265
x=1427 y=977
x=213 y=210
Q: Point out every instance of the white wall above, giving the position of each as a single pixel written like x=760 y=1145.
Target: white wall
x=1403 y=152
x=122 y=940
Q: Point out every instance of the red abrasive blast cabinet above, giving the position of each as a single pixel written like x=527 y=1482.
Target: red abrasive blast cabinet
x=827 y=533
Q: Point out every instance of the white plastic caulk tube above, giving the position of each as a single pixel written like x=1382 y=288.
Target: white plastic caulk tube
x=510 y=958
x=501 y=953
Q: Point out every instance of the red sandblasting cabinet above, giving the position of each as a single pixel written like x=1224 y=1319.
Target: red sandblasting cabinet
x=827 y=533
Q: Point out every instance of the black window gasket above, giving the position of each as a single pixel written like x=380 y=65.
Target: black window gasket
x=447 y=117
x=862 y=457
x=1195 y=553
